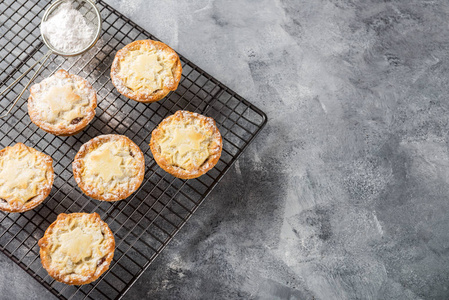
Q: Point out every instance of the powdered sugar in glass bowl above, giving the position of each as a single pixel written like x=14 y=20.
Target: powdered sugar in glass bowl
x=71 y=27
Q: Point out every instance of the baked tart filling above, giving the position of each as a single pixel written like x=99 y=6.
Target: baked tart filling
x=186 y=144
x=26 y=178
x=62 y=104
x=109 y=167
x=77 y=248
x=146 y=70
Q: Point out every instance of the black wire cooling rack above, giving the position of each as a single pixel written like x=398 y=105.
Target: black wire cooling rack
x=144 y=223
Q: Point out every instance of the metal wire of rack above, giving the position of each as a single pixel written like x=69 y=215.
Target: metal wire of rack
x=144 y=223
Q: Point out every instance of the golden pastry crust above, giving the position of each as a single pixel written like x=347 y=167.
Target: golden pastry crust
x=186 y=144
x=146 y=70
x=77 y=248
x=62 y=104
x=109 y=167
x=26 y=178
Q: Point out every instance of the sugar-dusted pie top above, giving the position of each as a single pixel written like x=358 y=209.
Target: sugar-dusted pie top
x=77 y=248
x=26 y=177
x=188 y=142
x=109 y=167
x=146 y=70
x=62 y=102
x=185 y=143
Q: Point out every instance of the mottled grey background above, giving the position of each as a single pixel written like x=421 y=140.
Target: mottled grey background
x=344 y=195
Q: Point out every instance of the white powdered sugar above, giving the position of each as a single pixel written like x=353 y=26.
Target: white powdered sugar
x=67 y=30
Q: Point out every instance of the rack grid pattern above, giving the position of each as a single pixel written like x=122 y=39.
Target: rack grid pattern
x=144 y=223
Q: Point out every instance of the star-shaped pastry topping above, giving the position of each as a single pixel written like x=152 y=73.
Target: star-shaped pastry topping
x=76 y=244
x=105 y=164
x=186 y=140
x=147 y=64
x=60 y=99
x=17 y=174
x=145 y=68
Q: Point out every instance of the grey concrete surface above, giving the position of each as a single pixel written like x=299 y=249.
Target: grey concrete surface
x=344 y=195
